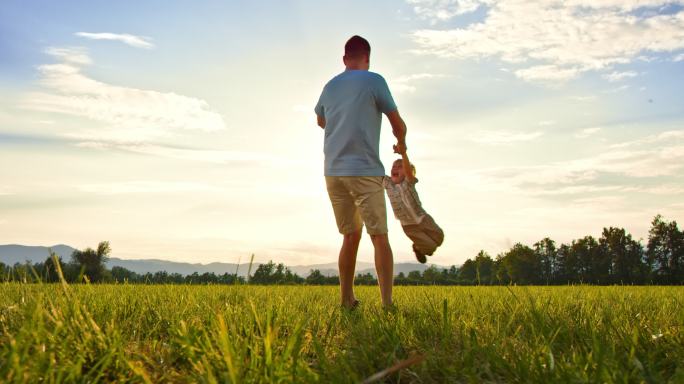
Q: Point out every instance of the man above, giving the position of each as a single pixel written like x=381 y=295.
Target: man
x=350 y=111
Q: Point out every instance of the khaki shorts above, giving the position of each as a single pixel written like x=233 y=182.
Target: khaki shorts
x=357 y=200
x=426 y=235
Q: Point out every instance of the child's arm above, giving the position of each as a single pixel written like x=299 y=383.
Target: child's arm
x=405 y=163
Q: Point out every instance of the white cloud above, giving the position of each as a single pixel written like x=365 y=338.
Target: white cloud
x=441 y=10
x=665 y=190
x=405 y=84
x=619 y=76
x=614 y=201
x=581 y=189
x=647 y=59
x=72 y=55
x=154 y=187
x=663 y=158
x=662 y=161
x=623 y=5
x=129 y=114
x=679 y=57
x=586 y=132
x=132 y=40
x=663 y=137
x=504 y=137
x=584 y=98
x=547 y=73
x=201 y=155
x=621 y=88
x=546 y=123
x=555 y=41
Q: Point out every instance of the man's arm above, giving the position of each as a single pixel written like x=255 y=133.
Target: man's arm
x=321 y=121
x=398 y=127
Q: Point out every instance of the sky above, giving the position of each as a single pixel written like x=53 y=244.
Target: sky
x=185 y=131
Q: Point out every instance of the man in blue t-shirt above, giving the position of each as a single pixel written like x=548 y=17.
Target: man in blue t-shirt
x=350 y=111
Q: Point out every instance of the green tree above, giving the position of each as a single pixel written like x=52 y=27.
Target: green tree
x=21 y=273
x=278 y=274
x=264 y=273
x=271 y=273
x=484 y=267
x=122 y=274
x=548 y=259
x=567 y=265
x=414 y=278
x=522 y=265
x=292 y=278
x=315 y=277
x=500 y=272
x=453 y=273
x=51 y=266
x=194 y=278
x=592 y=265
x=665 y=251
x=625 y=255
x=432 y=275
x=365 y=279
x=467 y=274
x=92 y=261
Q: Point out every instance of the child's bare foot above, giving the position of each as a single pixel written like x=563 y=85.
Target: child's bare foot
x=419 y=255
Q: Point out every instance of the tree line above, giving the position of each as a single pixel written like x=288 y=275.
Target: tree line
x=614 y=258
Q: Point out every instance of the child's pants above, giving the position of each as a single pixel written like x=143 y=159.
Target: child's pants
x=426 y=235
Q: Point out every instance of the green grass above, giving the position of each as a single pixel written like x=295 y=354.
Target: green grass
x=129 y=333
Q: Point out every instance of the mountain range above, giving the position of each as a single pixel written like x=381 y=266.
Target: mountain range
x=12 y=253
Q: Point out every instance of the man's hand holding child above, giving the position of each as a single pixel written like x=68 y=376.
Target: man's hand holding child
x=399 y=148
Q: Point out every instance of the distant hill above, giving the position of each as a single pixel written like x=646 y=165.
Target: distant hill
x=330 y=269
x=12 y=254
x=154 y=265
x=327 y=269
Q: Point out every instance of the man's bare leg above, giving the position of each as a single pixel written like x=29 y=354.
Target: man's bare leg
x=347 y=265
x=384 y=266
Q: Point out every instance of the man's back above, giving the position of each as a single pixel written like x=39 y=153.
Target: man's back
x=352 y=104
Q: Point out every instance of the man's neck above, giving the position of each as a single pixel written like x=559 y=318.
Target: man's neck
x=357 y=65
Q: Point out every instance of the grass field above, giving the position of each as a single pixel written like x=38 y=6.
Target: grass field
x=129 y=333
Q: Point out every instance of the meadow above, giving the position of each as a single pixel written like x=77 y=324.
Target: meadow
x=244 y=333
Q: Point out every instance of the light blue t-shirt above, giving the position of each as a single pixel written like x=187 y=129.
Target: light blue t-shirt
x=352 y=104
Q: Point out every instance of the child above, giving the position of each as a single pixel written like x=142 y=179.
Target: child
x=417 y=224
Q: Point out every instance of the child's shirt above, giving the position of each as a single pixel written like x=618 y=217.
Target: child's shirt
x=404 y=200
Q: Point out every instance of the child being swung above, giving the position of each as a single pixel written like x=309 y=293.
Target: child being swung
x=417 y=224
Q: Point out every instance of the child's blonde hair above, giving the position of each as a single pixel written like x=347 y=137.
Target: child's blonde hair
x=413 y=167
